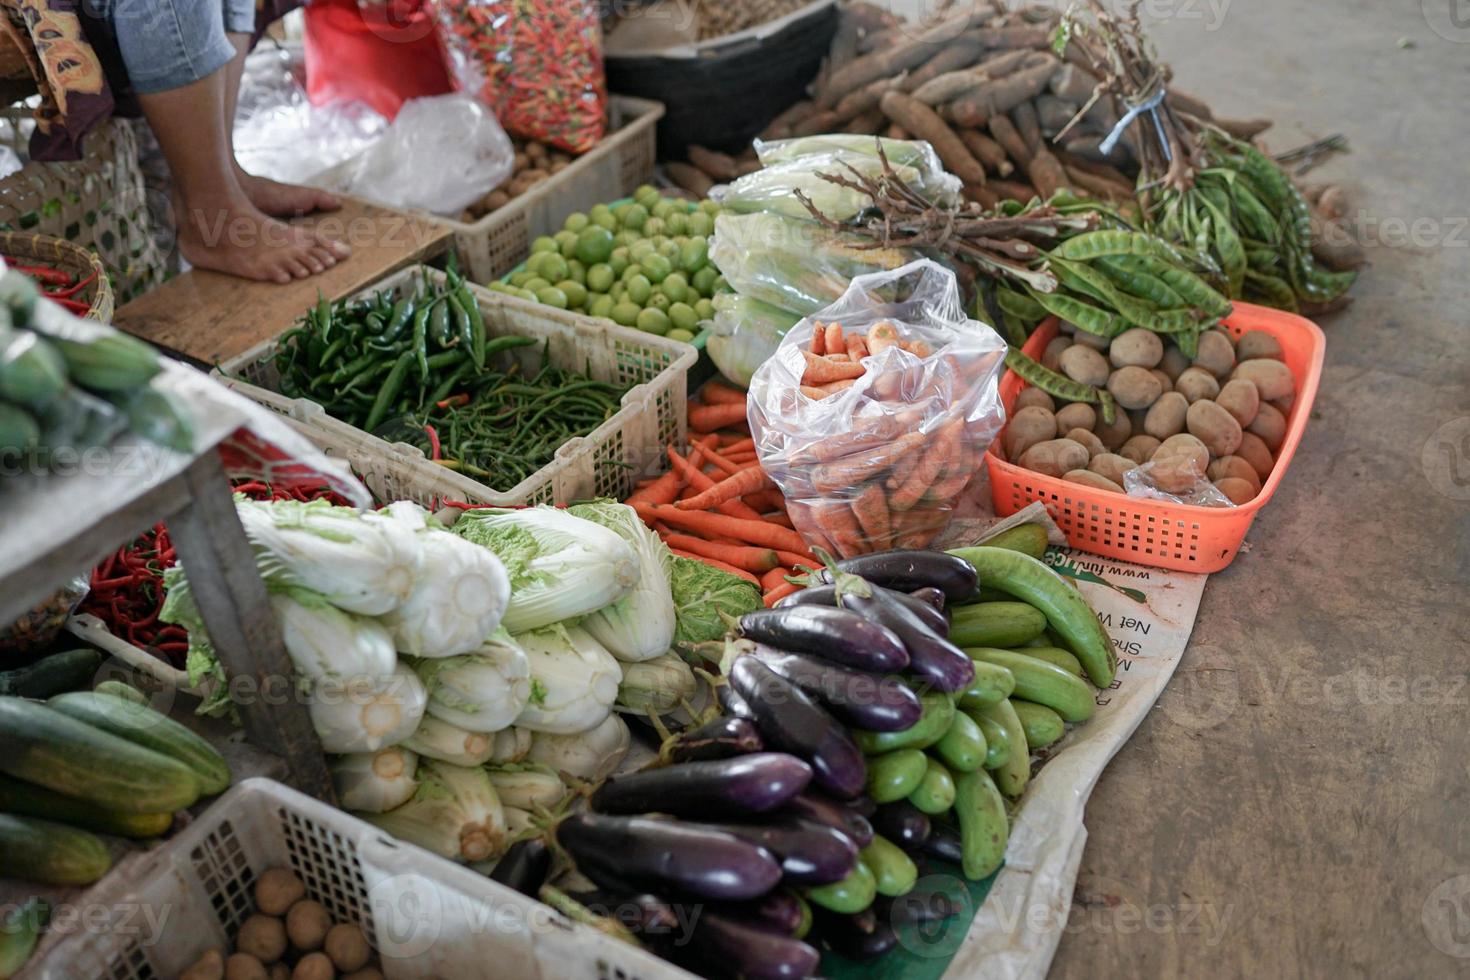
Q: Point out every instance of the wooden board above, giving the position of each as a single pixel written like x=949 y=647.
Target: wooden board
x=208 y=317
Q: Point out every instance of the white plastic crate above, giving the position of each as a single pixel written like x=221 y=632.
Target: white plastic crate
x=427 y=917
x=605 y=463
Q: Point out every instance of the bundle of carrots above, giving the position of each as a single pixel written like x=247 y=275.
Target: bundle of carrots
x=834 y=361
x=717 y=505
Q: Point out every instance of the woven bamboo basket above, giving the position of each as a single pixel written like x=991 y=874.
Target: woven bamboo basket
x=21 y=248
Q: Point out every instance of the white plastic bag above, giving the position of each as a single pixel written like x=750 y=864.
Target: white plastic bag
x=878 y=460
x=441 y=154
x=1175 y=480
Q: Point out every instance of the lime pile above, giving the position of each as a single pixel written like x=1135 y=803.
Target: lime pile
x=643 y=263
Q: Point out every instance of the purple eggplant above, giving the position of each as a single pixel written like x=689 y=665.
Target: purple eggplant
x=903 y=823
x=780 y=911
x=826 y=595
x=929 y=596
x=862 y=804
x=905 y=571
x=862 y=936
x=944 y=843
x=926 y=903
x=524 y=866
x=668 y=854
x=644 y=730
x=722 y=946
x=719 y=739
x=791 y=721
x=640 y=912
x=751 y=783
x=931 y=656
x=821 y=809
x=861 y=699
x=810 y=853
x=833 y=634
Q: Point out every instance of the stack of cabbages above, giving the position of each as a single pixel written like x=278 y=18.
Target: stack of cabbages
x=458 y=676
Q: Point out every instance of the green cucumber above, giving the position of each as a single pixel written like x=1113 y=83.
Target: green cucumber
x=991 y=684
x=1068 y=613
x=32 y=372
x=963 y=747
x=1028 y=539
x=997 y=742
x=1042 y=725
x=50 y=853
x=850 y=895
x=158 y=417
x=18 y=429
x=143 y=726
x=935 y=793
x=110 y=362
x=896 y=774
x=894 y=872
x=29 y=800
x=68 y=670
x=1057 y=657
x=1042 y=682
x=121 y=689
x=995 y=624
x=44 y=746
x=20 y=933
x=1016 y=772
x=938 y=714
x=984 y=826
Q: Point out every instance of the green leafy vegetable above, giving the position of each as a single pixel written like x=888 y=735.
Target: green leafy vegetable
x=701 y=594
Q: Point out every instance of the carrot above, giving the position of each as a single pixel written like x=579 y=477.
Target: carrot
x=780 y=520
x=722 y=566
x=944 y=445
x=823 y=370
x=871 y=511
x=768 y=532
x=723 y=461
x=882 y=336
x=819 y=338
x=774 y=578
x=741 y=556
x=716 y=392
x=792 y=559
x=816 y=394
x=835 y=340
x=766 y=500
x=740 y=459
x=838 y=522
x=849 y=471
x=746 y=481
x=780 y=592
x=708 y=418
x=699 y=482
x=735 y=445
x=857 y=347
x=660 y=491
x=917 y=528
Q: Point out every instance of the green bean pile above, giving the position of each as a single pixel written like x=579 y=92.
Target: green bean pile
x=501 y=428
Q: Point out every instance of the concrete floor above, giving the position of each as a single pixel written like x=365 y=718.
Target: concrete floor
x=1298 y=803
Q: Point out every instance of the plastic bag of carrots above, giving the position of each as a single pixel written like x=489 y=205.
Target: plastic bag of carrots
x=872 y=416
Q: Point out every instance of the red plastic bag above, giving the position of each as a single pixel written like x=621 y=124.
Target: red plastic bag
x=537 y=63
x=382 y=54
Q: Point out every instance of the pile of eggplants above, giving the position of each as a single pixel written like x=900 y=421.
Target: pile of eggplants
x=853 y=736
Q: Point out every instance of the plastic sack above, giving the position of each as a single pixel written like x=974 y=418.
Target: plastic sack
x=538 y=63
x=39 y=627
x=877 y=456
x=798 y=266
x=381 y=54
x=744 y=334
x=441 y=154
x=913 y=160
x=1174 y=480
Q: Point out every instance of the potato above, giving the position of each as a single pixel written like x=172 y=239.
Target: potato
x=535 y=150
x=1112 y=466
x=1028 y=427
x=1090 y=340
x=522 y=161
x=314 y=966
x=1081 y=363
x=263 y=937
x=347 y=947
x=277 y=890
x=1033 y=397
x=1139 y=449
x=1270 y=425
x=1136 y=418
x=1114 y=435
x=1137 y=348
x=1241 y=399
x=1214 y=427
x=1185 y=445
x=1196 y=383
x=1096 y=481
x=1134 y=387
x=1283 y=405
x=1165 y=382
x=1234 y=467
x=1176 y=474
x=1216 y=353
x=495 y=200
x=367 y=973
x=1239 y=491
x=1166 y=417
x=1173 y=363
x=1077 y=415
x=1255 y=452
x=1256 y=344
x=1272 y=378
x=307 y=924
x=210 y=966
x=280 y=971
x=1084 y=437
x=557 y=166
x=1052 y=356
x=1055 y=457
x=243 y=966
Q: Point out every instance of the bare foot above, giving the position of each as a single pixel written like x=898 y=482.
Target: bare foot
x=284 y=200
x=234 y=237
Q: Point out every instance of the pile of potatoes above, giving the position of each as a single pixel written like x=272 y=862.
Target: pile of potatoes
x=534 y=162
x=290 y=937
x=1220 y=415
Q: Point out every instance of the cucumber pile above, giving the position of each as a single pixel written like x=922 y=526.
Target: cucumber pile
x=68 y=385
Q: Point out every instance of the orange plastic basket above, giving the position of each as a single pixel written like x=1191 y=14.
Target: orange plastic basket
x=1148 y=532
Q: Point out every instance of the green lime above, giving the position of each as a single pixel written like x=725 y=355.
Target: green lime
x=669 y=249
x=677 y=334
x=633 y=269
x=700 y=224
x=519 y=278
x=646 y=195
x=576 y=293
x=676 y=223
x=694 y=255
x=566 y=243
x=535 y=283
x=600 y=304
x=658 y=301
x=576 y=271
x=625 y=313
x=639 y=289
x=653 y=227
x=653 y=321
x=635 y=217
x=552 y=267
x=663 y=208
x=544 y=244
x=552 y=296
x=656 y=267
x=703 y=279
x=527 y=295
x=720 y=285
x=619 y=260
x=675 y=287
x=618 y=291
x=576 y=221
x=621 y=209
x=683 y=316
x=626 y=237
x=710 y=208
x=641 y=250
x=705 y=309
x=600 y=277
x=594 y=244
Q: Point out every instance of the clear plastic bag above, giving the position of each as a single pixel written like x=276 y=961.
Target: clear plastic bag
x=878 y=457
x=1175 y=480
x=798 y=266
x=38 y=628
x=774 y=188
x=914 y=160
x=745 y=333
x=441 y=154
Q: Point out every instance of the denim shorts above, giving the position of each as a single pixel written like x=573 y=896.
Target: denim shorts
x=166 y=44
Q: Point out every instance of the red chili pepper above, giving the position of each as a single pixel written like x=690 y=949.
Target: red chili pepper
x=74 y=306
x=46 y=274
x=73 y=289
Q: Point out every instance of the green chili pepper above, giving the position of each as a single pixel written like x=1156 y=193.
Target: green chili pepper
x=389 y=391
x=471 y=307
x=398 y=319
x=440 y=329
x=420 y=341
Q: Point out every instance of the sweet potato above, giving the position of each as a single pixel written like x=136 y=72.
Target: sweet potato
x=691 y=178
x=925 y=124
x=987 y=151
x=1024 y=116
x=1005 y=133
x=907 y=52
x=1000 y=95
x=859 y=101
x=1046 y=172
x=962 y=52
x=720 y=166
